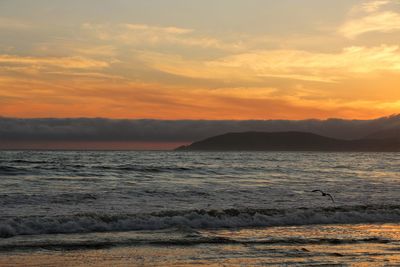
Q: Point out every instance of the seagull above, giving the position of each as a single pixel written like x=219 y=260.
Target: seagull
x=324 y=194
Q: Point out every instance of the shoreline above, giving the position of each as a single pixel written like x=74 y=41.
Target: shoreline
x=361 y=244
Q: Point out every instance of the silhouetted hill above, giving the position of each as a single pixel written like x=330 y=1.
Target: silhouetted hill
x=288 y=141
x=393 y=133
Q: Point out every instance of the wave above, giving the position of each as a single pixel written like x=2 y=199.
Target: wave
x=24 y=161
x=81 y=197
x=64 y=198
x=97 y=170
x=197 y=219
x=84 y=170
x=271 y=241
x=185 y=241
x=153 y=169
x=11 y=171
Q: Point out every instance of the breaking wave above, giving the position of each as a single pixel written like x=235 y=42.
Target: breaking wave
x=197 y=219
x=189 y=241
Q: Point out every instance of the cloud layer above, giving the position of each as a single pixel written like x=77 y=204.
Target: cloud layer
x=184 y=131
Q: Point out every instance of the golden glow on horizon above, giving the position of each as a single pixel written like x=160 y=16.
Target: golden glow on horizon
x=348 y=68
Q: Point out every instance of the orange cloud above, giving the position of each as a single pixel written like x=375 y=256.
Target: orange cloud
x=143 y=34
x=96 y=97
x=288 y=64
x=60 y=62
x=378 y=22
x=373 y=6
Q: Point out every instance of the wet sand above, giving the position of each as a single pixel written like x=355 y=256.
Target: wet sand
x=330 y=245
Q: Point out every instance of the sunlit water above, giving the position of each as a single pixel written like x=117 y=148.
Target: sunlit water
x=187 y=208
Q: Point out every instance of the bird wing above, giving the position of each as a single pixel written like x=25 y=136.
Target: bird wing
x=329 y=195
x=317 y=191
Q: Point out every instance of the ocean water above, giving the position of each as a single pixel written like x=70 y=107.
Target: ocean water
x=243 y=208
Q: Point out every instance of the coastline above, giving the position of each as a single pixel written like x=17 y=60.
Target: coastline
x=355 y=245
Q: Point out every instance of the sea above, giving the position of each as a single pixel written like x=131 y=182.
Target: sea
x=166 y=208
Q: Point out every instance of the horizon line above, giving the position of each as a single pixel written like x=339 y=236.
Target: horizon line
x=155 y=119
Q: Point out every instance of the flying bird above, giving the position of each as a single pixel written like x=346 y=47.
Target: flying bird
x=324 y=194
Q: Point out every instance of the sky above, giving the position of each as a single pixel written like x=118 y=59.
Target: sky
x=199 y=60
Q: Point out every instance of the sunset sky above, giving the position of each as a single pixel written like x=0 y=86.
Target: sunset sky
x=209 y=59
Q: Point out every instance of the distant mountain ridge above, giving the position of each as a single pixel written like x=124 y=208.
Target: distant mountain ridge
x=393 y=133
x=292 y=141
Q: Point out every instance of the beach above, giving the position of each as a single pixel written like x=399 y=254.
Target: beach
x=318 y=245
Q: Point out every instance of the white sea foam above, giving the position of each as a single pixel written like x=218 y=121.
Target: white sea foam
x=196 y=219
